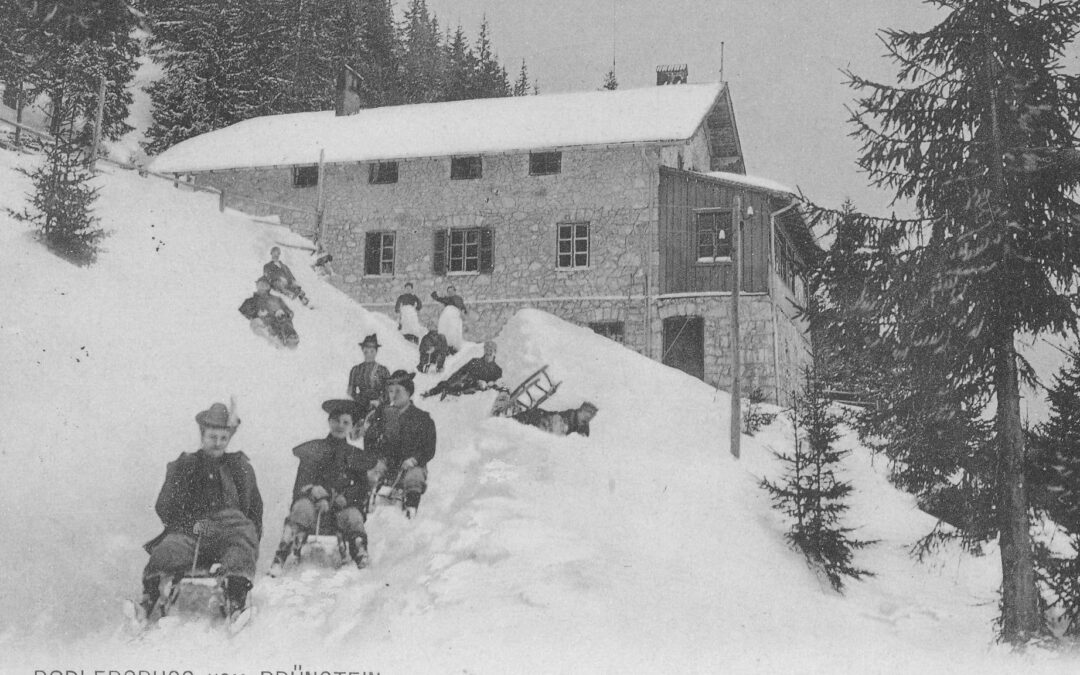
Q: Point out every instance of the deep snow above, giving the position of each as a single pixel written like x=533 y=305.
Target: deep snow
x=643 y=548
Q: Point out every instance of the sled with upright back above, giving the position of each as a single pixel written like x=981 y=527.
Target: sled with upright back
x=533 y=391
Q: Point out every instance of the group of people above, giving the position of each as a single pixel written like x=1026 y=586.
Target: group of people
x=268 y=313
x=450 y=328
x=210 y=502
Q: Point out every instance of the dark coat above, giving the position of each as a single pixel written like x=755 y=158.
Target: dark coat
x=544 y=419
x=454 y=300
x=264 y=305
x=335 y=465
x=407 y=299
x=367 y=383
x=279 y=270
x=416 y=437
x=193 y=491
x=436 y=341
x=466 y=379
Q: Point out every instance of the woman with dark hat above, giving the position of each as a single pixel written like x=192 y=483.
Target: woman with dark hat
x=210 y=504
x=367 y=380
x=332 y=480
x=402 y=436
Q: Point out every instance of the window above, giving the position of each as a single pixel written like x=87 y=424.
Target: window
x=305 y=176
x=379 y=254
x=11 y=95
x=545 y=163
x=380 y=173
x=466 y=168
x=613 y=330
x=713 y=241
x=464 y=251
x=790 y=270
x=573 y=246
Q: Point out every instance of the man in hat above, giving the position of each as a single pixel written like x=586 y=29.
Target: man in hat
x=408 y=308
x=476 y=375
x=331 y=488
x=562 y=422
x=269 y=315
x=281 y=277
x=367 y=380
x=402 y=436
x=209 y=503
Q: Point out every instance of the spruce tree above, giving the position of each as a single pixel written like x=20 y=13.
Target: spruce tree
x=611 y=83
x=459 y=74
x=521 y=84
x=377 y=58
x=811 y=494
x=490 y=79
x=979 y=135
x=60 y=206
x=420 y=55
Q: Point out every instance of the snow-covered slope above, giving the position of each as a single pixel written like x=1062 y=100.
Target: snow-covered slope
x=643 y=548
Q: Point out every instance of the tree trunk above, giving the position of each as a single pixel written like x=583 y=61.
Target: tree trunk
x=1019 y=595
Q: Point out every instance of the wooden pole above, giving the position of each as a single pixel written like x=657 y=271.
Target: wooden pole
x=736 y=360
x=18 y=115
x=99 y=120
x=320 y=222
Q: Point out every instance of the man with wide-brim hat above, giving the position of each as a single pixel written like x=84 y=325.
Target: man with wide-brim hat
x=332 y=480
x=209 y=502
x=403 y=437
x=367 y=380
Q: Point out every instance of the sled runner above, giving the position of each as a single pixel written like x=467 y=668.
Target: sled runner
x=199 y=592
x=536 y=389
x=388 y=491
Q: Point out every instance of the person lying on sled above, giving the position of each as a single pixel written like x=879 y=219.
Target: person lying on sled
x=476 y=375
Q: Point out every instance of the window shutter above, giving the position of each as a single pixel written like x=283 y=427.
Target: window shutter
x=438 y=253
x=372 y=244
x=487 y=250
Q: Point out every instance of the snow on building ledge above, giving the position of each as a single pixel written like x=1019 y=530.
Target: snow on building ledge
x=756 y=182
x=473 y=127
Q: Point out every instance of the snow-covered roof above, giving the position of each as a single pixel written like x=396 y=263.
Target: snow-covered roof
x=480 y=126
x=751 y=181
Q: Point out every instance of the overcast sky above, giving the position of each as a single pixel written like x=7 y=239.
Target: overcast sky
x=782 y=62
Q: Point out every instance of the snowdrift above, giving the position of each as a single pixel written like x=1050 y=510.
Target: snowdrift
x=644 y=547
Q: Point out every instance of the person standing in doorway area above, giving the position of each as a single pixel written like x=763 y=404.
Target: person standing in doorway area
x=408 y=308
x=450 y=320
x=367 y=380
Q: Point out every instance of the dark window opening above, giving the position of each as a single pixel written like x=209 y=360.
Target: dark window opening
x=545 y=163
x=573 y=246
x=383 y=172
x=713 y=236
x=305 y=176
x=11 y=96
x=379 y=254
x=466 y=168
x=613 y=330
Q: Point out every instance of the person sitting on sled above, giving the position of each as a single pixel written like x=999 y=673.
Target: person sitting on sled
x=269 y=314
x=562 y=422
x=367 y=380
x=476 y=375
x=403 y=437
x=433 y=351
x=210 y=504
x=281 y=277
x=331 y=487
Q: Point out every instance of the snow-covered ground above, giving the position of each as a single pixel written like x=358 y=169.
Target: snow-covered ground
x=643 y=548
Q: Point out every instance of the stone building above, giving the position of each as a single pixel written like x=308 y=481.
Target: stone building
x=611 y=209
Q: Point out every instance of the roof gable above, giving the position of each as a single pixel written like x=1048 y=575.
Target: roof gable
x=479 y=126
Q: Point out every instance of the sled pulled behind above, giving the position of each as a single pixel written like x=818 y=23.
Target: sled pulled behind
x=533 y=391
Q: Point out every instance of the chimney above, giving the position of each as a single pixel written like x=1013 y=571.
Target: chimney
x=676 y=74
x=347 y=97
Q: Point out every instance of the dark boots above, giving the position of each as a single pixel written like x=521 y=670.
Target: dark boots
x=358 y=551
x=236 y=591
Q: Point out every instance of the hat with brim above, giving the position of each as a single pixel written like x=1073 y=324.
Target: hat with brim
x=403 y=378
x=340 y=406
x=371 y=341
x=217 y=416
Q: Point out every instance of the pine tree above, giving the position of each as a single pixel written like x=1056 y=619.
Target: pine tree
x=979 y=135
x=421 y=59
x=460 y=69
x=611 y=83
x=811 y=494
x=60 y=206
x=1055 y=460
x=490 y=79
x=376 y=58
x=521 y=84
